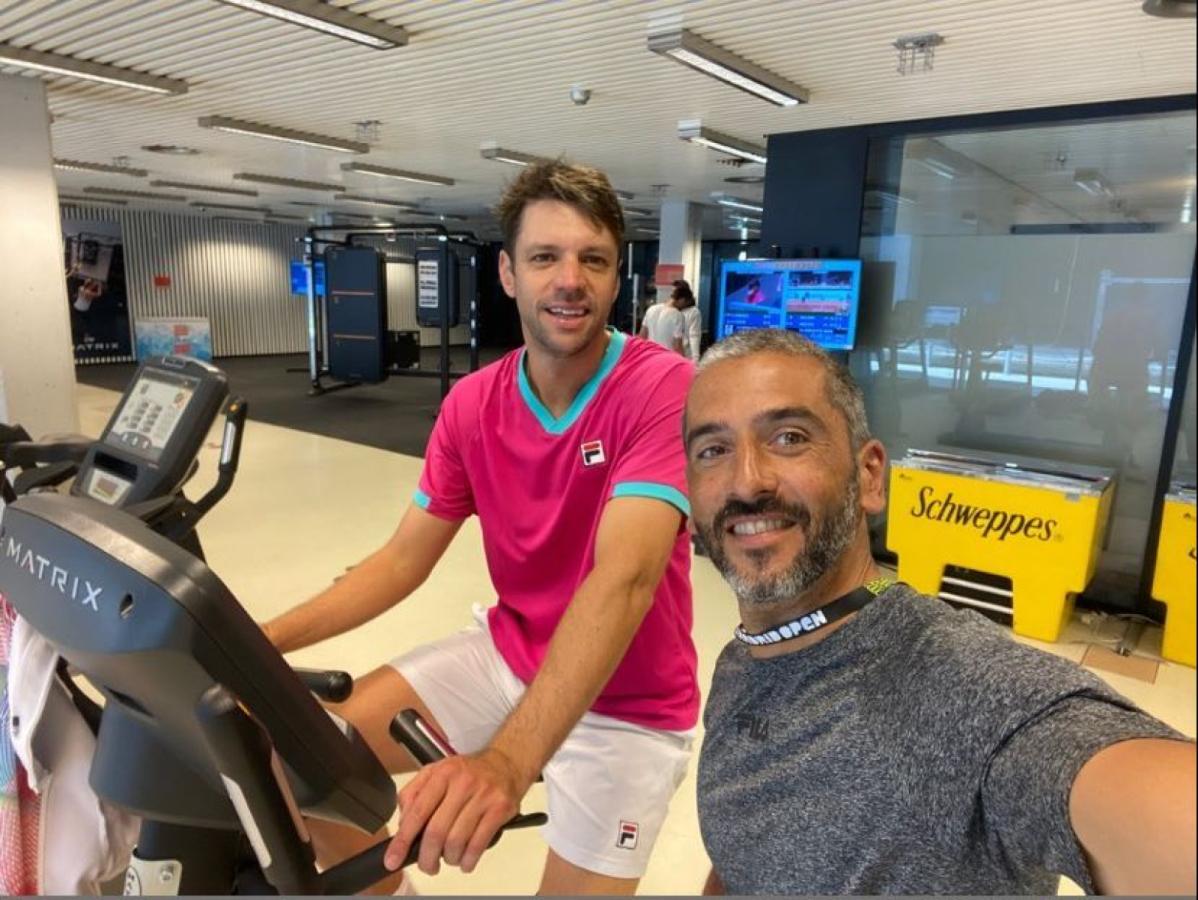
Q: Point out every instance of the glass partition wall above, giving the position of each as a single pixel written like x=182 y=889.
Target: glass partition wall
x=1025 y=291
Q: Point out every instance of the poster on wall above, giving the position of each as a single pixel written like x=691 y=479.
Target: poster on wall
x=174 y=337
x=94 y=261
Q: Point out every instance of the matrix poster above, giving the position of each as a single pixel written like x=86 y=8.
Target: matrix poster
x=94 y=260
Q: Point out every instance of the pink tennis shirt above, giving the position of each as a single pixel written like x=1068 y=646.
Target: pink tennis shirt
x=539 y=485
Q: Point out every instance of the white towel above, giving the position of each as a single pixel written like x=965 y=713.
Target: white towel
x=84 y=841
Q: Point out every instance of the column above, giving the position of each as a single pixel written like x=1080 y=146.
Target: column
x=36 y=354
x=681 y=239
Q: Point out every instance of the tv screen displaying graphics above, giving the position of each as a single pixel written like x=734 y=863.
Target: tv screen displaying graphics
x=818 y=298
x=299 y=277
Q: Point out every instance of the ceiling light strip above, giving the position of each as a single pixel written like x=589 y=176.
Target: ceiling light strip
x=208 y=188
x=57 y=64
x=377 y=201
x=690 y=50
x=75 y=165
x=401 y=174
x=140 y=195
x=329 y=19
x=287 y=135
x=693 y=130
x=288 y=182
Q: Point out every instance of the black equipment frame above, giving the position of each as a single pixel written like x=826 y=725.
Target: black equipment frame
x=320 y=236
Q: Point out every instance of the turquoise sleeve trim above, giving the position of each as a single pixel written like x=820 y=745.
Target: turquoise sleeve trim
x=670 y=495
x=423 y=500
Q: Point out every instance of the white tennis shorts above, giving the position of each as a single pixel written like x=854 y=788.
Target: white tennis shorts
x=609 y=784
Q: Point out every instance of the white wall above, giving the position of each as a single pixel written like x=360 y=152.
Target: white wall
x=35 y=327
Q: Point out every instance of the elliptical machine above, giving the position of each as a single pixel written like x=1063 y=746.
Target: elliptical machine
x=206 y=732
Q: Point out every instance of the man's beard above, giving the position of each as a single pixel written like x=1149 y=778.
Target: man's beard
x=822 y=547
x=555 y=345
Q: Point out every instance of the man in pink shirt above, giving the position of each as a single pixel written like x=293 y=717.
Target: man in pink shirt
x=570 y=453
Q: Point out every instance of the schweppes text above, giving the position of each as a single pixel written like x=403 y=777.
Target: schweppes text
x=990 y=522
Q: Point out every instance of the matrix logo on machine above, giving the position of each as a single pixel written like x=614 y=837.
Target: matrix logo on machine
x=989 y=522
x=71 y=586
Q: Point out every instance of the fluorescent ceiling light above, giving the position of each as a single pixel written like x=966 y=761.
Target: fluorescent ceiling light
x=1092 y=182
x=57 y=64
x=692 y=130
x=203 y=204
x=329 y=19
x=208 y=188
x=244 y=220
x=891 y=197
x=402 y=175
x=514 y=157
x=691 y=50
x=377 y=201
x=624 y=195
x=936 y=167
x=76 y=165
x=287 y=135
x=278 y=219
x=738 y=203
x=139 y=195
x=636 y=212
x=170 y=149
x=288 y=182
x=71 y=198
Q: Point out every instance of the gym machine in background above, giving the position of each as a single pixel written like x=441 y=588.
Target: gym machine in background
x=348 y=337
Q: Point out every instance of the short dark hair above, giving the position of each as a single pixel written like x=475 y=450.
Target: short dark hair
x=843 y=391
x=583 y=187
x=683 y=292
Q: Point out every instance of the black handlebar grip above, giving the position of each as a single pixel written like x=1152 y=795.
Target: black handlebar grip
x=420 y=739
x=330 y=685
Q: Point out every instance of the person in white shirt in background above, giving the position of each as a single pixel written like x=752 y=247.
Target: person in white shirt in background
x=692 y=324
x=663 y=324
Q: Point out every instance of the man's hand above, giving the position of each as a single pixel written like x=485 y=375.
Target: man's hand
x=459 y=803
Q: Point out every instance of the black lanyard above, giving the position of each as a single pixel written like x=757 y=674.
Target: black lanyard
x=813 y=621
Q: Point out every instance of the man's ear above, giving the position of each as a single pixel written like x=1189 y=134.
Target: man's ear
x=871 y=475
x=507 y=275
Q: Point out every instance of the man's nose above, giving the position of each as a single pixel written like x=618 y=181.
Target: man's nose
x=569 y=274
x=754 y=475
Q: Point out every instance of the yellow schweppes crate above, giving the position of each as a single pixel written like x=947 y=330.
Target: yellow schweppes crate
x=1042 y=529
x=1173 y=580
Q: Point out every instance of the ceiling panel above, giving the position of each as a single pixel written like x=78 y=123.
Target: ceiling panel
x=477 y=70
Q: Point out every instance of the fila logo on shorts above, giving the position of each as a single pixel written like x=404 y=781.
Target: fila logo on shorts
x=592 y=453
x=628 y=835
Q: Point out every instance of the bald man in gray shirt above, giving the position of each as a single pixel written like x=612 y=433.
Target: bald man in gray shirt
x=863 y=738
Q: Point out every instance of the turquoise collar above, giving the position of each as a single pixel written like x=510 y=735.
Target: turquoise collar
x=611 y=356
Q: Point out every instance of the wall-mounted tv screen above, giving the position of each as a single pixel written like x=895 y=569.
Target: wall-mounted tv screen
x=818 y=298
x=299 y=277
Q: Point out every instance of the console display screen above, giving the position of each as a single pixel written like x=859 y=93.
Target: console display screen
x=149 y=416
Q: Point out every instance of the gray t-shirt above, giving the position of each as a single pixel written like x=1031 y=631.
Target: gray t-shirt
x=917 y=749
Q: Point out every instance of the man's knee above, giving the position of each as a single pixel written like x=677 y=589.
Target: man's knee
x=377 y=698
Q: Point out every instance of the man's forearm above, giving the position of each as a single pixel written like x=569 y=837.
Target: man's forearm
x=591 y=639
x=367 y=590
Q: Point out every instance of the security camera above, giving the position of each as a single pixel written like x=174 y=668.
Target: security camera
x=579 y=95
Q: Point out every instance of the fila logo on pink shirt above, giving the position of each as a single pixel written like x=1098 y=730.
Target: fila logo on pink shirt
x=592 y=453
x=629 y=831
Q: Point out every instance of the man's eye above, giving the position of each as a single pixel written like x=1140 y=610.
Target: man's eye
x=596 y=262
x=712 y=452
x=542 y=257
x=790 y=438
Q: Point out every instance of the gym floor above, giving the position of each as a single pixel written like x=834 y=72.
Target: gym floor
x=306 y=506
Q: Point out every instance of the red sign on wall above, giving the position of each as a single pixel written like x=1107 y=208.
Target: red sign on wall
x=162 y=281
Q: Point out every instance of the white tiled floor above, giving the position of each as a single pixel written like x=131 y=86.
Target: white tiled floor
x=304 y=507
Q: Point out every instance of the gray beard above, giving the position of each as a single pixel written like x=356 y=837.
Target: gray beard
x=825 y=545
